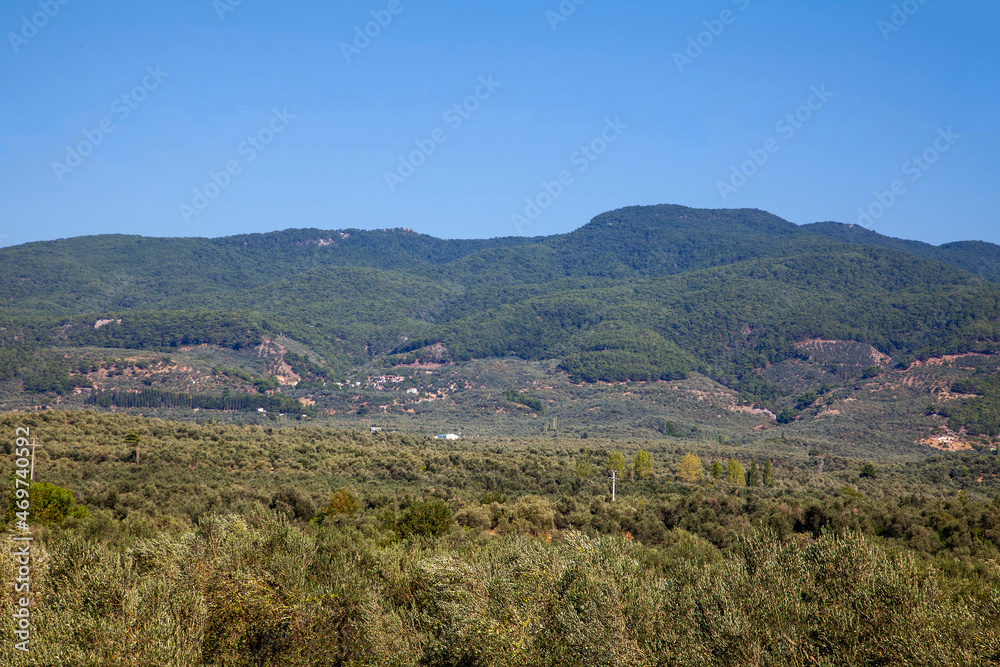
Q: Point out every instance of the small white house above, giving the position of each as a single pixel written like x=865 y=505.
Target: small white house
x=447 y=436
x=412 y=390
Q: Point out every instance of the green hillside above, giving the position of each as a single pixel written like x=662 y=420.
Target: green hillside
x=637 y=294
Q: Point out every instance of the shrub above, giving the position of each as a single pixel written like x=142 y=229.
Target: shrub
x=293 y=503
x=48 y=504
x=341 y=502
x=429 y=519
x=535 y=514
x=474 y=516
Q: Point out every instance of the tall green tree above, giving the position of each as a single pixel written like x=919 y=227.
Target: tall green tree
x=716 y=471
x=690 y=468
x=767 y=473
x=134 y=438
x=643 y=464
x=616 y=461
x=735 y=474
x=753 y=476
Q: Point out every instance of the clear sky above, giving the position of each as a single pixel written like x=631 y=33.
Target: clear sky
x=231 y=116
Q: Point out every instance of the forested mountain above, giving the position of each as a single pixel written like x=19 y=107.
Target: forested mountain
x=637 y=293
x=978 y=257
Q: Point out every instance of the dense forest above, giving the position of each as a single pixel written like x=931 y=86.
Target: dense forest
x=157 y=398
x=638 y=293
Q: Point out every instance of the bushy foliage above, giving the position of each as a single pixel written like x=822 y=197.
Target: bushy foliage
x=48 y=504
x=178 y=564
x=522 y=398
x=616 y=352
x=293 y=503
x=428 y=519
x=255 y=589
x=341 y=502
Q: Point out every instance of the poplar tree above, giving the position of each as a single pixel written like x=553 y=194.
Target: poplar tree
x=643 y=464
x=616 y=461
x=690 y=469
x=735 y=474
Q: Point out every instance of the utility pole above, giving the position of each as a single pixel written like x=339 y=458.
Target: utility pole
x=613 y=485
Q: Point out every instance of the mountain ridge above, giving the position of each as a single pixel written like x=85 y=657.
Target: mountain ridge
x=641 y=292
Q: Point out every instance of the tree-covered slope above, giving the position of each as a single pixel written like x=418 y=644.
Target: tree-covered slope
x=111 y=272
x=734 y=318
x=637 y=293
x=978 y=257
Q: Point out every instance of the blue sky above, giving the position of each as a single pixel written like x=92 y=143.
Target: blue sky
x=229 y=117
